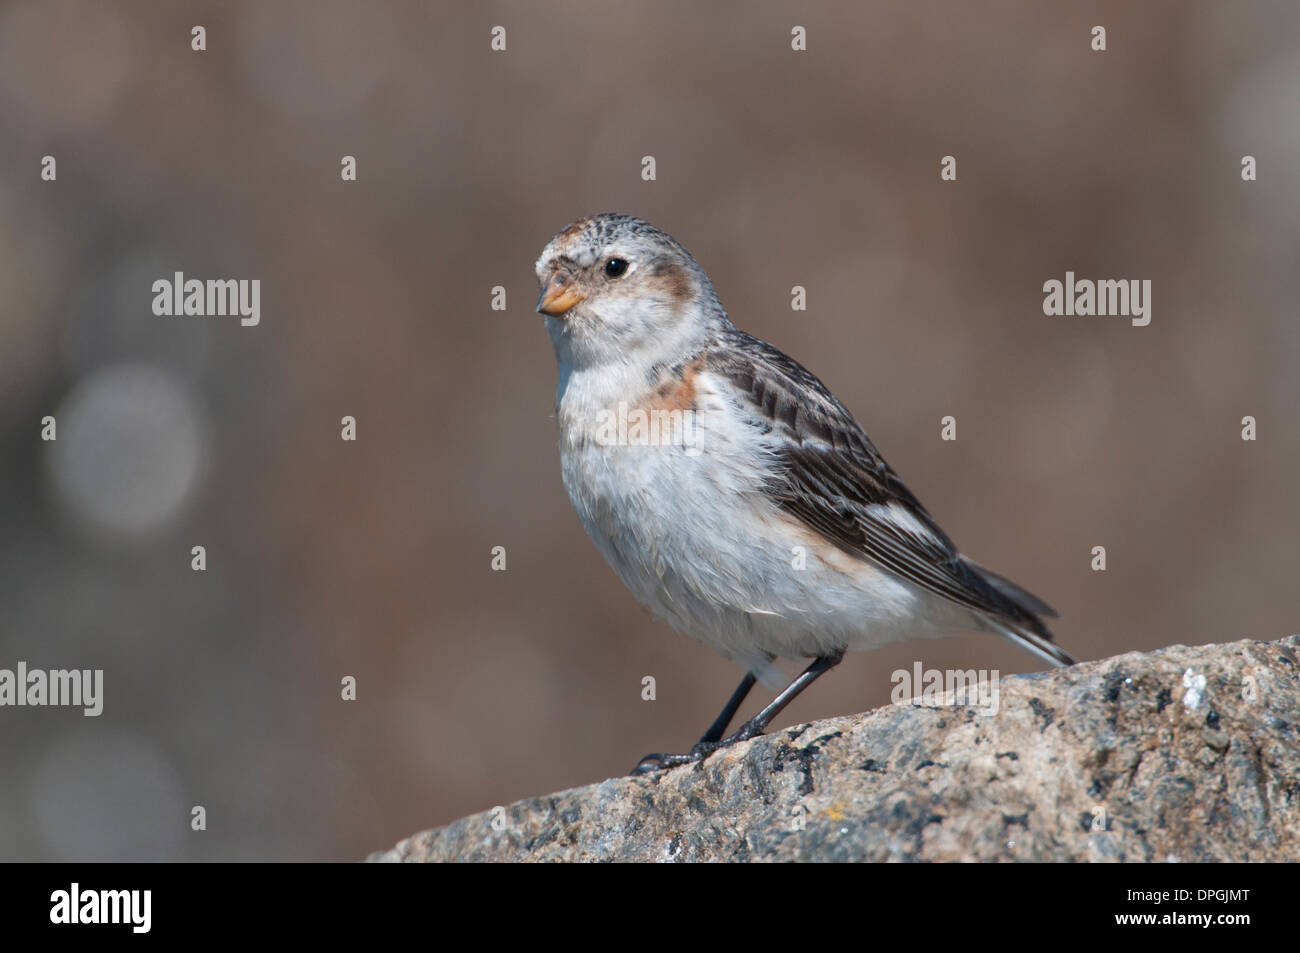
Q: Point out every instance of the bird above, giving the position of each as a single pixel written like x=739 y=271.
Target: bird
x=731 y=491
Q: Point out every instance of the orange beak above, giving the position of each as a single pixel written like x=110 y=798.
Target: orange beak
x=557 y=297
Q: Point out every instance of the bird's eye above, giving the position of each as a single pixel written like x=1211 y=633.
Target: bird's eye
x=615 y=267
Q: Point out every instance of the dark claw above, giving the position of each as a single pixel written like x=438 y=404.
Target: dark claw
x=662 y=762
x=647 y=765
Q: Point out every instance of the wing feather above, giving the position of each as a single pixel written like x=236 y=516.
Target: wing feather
x=830 y=476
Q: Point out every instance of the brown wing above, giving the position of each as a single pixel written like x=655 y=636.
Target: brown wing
x=833 y=479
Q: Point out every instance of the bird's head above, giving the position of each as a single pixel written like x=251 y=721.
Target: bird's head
x=615 y=288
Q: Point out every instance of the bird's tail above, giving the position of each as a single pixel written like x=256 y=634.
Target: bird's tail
x=1021 y=598
x=1044 y=648
x=1031 y=634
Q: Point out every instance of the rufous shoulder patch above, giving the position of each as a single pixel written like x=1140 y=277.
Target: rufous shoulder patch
x=677 y=391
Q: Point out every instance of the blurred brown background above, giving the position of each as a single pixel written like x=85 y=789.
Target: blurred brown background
x=775 y=168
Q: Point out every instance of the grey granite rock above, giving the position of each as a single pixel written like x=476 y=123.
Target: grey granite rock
x=1184 y=754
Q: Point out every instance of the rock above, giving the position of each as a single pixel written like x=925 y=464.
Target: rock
x=1184 y=754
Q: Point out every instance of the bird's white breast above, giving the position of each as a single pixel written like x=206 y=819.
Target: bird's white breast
x=688 y=528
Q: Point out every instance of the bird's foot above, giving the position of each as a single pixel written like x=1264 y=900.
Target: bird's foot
x=662 y=762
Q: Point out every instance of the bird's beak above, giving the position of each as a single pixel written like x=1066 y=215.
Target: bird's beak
x=557 y=297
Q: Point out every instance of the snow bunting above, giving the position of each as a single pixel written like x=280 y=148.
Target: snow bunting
x=730 y=490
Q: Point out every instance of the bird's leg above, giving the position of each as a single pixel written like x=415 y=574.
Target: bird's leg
x=653 y=762
x=758 y=724
x=729 y=712
x=750 y=729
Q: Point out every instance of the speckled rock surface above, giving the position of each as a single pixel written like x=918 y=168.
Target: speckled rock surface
x=1185 y=754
